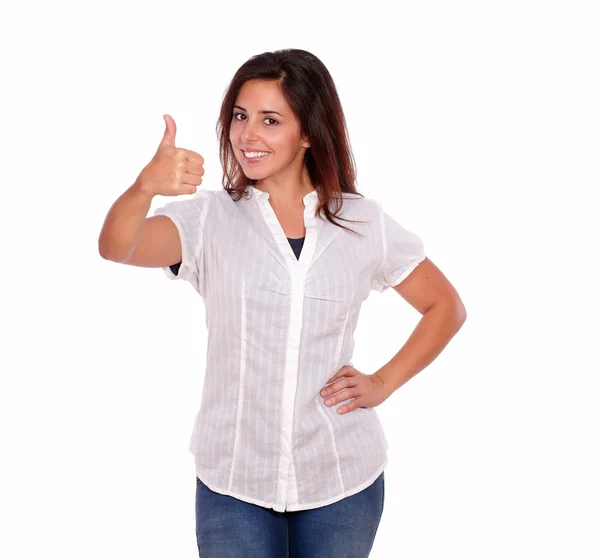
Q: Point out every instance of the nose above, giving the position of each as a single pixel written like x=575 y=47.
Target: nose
x=249 y=132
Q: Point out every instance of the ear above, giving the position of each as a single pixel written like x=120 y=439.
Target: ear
x=306 y=143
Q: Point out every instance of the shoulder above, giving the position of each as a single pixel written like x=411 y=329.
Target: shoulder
x=192 y=209
x=360 y=204
x=358 y=199
x=197 y=201
x=203 y=199
x=205 y=196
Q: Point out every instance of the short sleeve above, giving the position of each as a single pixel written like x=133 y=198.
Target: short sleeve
x=403 y=251
x=189 y=216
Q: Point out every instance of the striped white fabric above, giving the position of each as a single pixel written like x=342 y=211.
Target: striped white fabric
x=278 y=329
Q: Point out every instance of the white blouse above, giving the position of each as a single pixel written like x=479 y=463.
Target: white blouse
x=278 y=328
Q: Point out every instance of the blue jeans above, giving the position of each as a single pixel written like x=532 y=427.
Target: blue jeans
x=230 y=528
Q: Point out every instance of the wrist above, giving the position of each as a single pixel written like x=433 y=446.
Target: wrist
x=141 y=189
x=384 y=381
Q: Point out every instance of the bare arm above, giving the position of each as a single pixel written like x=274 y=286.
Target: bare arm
x=129 y=236
x=429 y=292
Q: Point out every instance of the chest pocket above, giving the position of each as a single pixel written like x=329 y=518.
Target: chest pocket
x=328 y=302
x=268 y=302
x=268 y=292
x=277 y=284
x=331 y=289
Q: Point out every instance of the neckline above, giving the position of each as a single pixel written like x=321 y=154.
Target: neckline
x=285 y=253
x=311 y=197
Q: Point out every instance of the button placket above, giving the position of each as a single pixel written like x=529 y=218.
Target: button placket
x=297 y=268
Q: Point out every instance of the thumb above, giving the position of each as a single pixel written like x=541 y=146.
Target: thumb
x=168 y=139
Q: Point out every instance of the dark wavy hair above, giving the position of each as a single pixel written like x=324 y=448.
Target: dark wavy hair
x=309 y=90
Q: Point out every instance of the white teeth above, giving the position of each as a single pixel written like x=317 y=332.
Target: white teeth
x=254 y=154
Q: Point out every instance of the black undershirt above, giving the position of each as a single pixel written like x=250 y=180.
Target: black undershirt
x=295 y=243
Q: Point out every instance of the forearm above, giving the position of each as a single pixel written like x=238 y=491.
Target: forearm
x=124 y=224
x=433 y=332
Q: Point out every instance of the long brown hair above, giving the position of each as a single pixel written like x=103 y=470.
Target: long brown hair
x=309 y=90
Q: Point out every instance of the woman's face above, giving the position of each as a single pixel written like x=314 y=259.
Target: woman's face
x=276 y=132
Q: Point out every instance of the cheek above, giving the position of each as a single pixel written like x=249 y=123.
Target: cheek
x=282 y=143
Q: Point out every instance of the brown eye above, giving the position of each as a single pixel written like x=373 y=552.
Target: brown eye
x=235 y=114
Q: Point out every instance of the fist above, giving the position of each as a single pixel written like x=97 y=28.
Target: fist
x=173 y=171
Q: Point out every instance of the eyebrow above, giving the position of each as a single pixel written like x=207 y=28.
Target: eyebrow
x=263 y=111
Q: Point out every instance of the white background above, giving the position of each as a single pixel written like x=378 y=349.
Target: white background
x=475 y=124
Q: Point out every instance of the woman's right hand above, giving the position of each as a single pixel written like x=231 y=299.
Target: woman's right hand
x=172 y=171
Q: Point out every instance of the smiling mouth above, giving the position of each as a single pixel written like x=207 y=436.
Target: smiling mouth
x=255 y=158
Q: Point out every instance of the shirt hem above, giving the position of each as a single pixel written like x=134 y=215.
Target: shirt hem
x=351 y=492
x=224 y=492
x=296 y=507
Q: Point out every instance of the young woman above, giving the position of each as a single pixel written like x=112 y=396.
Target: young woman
x=289 y=451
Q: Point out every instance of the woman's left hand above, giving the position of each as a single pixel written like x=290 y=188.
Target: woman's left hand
x=368 y=390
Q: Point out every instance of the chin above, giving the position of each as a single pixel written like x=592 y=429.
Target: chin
x=255 y=176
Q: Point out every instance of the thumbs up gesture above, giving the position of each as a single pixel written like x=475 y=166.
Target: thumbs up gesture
x=173 y=171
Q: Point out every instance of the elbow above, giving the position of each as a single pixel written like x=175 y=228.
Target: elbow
x=453 y=310
x=461 y=312
x=459 y=315
x=103 y=251
x=109 y=255
x=462 y=316
x=102 y=246
x=458 y=311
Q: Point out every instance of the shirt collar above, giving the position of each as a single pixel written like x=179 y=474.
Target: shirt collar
x=309 y=199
